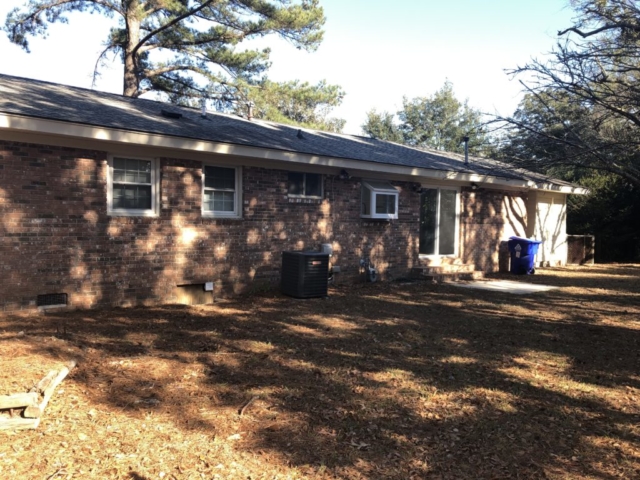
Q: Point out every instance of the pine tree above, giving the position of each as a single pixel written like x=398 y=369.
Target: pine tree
x=382 y=126
x=297 y=103
x=439 y=121
x=184 y=48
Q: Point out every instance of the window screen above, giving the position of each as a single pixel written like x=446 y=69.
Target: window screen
x=305 y=184
x=379 y=200
x=385 y=204
x=132 y=189
x=219 y=189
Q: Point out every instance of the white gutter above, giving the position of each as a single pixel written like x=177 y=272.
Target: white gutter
x=19 y=123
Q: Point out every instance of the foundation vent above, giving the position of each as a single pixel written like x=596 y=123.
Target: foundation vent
x=52 y=300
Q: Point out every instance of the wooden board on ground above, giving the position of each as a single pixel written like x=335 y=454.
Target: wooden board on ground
x=18 y=400
x=33 y=410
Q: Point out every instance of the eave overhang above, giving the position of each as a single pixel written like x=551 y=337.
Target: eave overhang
x=109 y=136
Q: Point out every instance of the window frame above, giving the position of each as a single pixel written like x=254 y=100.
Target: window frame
x=456 y=248
x=317 y=197
x=237 y=211
x=155 y=189
x=374 y=192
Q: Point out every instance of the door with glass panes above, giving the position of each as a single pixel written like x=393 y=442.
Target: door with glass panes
x=438 y=221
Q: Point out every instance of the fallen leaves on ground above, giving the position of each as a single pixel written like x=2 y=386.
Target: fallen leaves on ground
x=380 y=381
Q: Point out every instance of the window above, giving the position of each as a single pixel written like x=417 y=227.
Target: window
x=221 y=191
x=379 y=200
x=438 y=221
x=305 y=185
x=132 y=186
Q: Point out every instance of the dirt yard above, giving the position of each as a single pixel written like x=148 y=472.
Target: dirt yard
x=403 y=381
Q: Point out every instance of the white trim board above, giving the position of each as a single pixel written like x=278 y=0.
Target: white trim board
x=70 y=132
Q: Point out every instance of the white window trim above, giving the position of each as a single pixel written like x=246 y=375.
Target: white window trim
x=456 y=249
x=155 y=189
x=317 y=197
x=237 y=212
x=372 y=204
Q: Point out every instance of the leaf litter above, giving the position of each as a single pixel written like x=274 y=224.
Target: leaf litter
x=377 y=381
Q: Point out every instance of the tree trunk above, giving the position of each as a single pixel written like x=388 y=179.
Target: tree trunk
x=131 y=74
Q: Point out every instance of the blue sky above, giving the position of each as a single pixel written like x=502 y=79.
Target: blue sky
x=377 y=51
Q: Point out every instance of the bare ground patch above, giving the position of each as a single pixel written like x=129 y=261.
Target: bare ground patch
x=377 y=381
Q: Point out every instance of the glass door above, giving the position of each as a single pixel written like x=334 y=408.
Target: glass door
x=438 y=221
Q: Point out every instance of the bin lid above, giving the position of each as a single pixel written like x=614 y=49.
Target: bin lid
x=521 y=239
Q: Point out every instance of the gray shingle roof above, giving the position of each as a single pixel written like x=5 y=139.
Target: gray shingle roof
x=34 y=98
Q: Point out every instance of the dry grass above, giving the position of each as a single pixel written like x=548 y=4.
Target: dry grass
x=377 y=381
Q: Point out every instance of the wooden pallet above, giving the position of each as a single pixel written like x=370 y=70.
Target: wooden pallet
x=22 y=411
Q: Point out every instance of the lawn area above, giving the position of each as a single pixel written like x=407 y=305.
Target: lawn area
x=378 y=381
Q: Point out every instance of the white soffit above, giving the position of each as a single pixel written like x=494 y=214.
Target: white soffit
x=40 y=126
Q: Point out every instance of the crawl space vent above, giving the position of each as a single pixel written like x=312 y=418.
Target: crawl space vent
x=52 y=299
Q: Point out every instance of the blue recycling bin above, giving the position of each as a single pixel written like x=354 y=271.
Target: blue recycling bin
x=523 y=253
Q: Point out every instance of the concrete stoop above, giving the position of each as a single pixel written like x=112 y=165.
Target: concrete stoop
x=446 y=273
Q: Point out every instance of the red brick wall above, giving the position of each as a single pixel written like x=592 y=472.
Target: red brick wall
x=56 y=236
x=487 y=218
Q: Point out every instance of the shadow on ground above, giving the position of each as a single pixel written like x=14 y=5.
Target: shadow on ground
x=388 y=380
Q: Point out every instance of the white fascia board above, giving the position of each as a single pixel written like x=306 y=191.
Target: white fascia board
x=567 y=189
x=72 y=130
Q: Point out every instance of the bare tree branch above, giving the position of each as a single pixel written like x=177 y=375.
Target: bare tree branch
x=99 y=61
x=597 y=30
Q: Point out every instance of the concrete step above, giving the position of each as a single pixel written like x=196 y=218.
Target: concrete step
x=452 y=277
x=436 y=270
x=446 y=273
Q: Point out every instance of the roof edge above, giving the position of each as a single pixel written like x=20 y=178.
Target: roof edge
x=28 y=124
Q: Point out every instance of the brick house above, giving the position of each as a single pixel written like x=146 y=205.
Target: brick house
x=107 y=200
